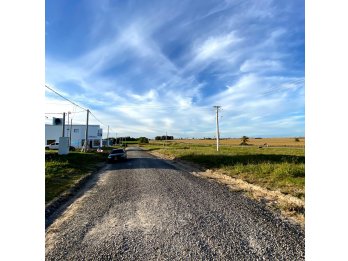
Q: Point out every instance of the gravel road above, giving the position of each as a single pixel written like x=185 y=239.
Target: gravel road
x=146 y=209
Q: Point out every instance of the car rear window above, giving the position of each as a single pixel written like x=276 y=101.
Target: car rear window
x=117 y=151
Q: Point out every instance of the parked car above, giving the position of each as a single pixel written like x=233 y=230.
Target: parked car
x=117 y=154
x=52 y=146
x=55 y=146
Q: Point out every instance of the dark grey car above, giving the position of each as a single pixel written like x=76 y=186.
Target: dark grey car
x=116 y=155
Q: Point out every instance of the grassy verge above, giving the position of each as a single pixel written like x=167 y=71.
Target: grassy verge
x=280 y=169
x=63 y=171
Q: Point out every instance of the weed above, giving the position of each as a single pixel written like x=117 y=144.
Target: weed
x=63 y=171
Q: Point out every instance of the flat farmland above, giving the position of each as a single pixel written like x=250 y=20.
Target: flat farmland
x=271 y=142
x=278 y=168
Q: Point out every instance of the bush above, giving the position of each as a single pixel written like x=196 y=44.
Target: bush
x=143 y=140
x=244 y=139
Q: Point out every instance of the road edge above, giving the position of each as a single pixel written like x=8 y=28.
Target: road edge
x=289 y=208
x=59 y=201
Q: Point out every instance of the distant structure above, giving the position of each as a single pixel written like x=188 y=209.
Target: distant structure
x=75 y=132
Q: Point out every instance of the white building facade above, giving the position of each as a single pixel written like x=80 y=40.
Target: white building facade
x=76 y=134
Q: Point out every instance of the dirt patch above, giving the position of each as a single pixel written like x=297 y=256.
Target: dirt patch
x=289 y=207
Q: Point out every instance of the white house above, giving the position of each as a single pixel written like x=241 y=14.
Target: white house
x=76 y=134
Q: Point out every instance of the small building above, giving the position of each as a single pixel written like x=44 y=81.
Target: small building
x=75 y=132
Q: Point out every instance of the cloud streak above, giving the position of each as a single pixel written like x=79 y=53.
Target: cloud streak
x=162 y=67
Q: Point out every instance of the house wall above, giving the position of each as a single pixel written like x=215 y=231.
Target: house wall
x=53 y=132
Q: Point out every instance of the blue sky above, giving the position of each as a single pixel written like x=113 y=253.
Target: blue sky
x=150 y=67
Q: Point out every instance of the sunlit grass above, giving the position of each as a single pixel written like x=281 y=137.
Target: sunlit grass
x=280 y=169
x=63 y=171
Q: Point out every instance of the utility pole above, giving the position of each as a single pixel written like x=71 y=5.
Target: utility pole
x=217 y=127
x=107 y=137
x=70 y=127
x=68 y=116
x=86 y=136
x=63 y=131
x=70 y=132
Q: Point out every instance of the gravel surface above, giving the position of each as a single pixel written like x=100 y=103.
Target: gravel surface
x=146 y=209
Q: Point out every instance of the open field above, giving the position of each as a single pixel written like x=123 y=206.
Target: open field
x=274 y=174
x=274 y=168
x=271 y=142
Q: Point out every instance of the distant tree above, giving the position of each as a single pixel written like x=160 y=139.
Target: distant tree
x=143 y=140
x=164 y=137
x=167 y=137
x=297 y=139
x=244 y=139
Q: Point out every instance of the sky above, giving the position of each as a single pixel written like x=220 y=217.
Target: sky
x=147 y=68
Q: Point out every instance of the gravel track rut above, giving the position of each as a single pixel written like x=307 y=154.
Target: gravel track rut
x=146 y=209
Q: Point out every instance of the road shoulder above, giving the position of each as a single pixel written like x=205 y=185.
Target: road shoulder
x=56 y=206
x=289 y=208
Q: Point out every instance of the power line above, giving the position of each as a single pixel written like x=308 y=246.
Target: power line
x=64 y=97
x=97 y=119
x=53 y=112
x=62 y=112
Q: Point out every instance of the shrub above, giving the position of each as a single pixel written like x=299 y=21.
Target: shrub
x=143 y=140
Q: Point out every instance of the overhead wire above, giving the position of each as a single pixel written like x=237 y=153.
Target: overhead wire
x=97 y=119
x=64 y=97
x=163 y=107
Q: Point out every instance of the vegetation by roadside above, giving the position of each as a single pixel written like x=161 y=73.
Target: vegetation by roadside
x=273 y=176
x=298 y=142
x=62 y=172
x=281 y=169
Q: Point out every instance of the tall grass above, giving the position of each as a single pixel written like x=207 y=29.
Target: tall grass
x=280 y=169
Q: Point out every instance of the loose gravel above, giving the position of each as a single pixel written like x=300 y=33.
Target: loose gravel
x=146 y=209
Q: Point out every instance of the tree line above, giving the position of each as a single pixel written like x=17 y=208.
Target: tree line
x=120 y=140
x=165 y=137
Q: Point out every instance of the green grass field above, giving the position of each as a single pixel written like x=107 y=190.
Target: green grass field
x=130 y=142
x=280 y=169
x=63 y=171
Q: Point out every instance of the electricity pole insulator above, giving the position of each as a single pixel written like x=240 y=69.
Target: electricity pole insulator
x=217 y=127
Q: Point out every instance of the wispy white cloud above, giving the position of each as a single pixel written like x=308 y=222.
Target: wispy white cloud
x=215 y=47
x=164 y=66
x=253 y=65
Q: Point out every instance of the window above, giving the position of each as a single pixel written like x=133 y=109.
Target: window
x=96 y=143
x=50 y=142
x=76 y=130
